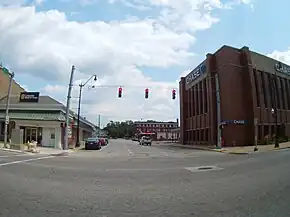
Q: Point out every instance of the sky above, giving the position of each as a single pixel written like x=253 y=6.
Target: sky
x=133 y=44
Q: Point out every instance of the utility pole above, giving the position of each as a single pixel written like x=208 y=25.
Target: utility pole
x=7 y=110
x=99 y=125
x=65 y=146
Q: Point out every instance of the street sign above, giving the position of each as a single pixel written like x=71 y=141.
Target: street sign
x=7 y=119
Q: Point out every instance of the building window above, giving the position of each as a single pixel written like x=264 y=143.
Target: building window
x=257 y=87
x=288 y=89
x=263 y=78
x=282 y=91
x=2 y=127
x=278 y=91
x=271 y=86
x=200 y=97
x=205 y=94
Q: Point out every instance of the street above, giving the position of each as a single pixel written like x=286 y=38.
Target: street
x=125 y=179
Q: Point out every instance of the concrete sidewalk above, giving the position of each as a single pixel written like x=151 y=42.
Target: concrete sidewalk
x=39 y=150
x=230 y=150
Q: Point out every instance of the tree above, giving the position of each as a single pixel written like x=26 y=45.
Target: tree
x=121 y=129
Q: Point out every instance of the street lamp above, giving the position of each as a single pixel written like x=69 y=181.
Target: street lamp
x=274 y=113
x=79 y=108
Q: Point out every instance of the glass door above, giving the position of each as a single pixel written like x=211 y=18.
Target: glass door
x=30 y=134
x=33 y=134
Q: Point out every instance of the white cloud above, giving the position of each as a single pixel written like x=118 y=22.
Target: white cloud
x=45 y=44
x=283 y=56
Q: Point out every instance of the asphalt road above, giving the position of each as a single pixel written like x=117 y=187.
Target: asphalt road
x=124 y=179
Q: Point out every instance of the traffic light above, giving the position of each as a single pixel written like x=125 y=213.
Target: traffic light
x=173 y=94
x=146 y=93
x=120 y=92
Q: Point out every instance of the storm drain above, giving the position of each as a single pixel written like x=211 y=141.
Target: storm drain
x=203 y=168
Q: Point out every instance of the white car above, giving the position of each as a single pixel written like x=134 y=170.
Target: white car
x=145 y=140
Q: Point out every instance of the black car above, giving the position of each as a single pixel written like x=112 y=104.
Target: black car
x=93 y=144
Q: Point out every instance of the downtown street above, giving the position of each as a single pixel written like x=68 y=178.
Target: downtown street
x=125 y=179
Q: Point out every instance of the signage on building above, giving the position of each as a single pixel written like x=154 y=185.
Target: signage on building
x=233 y=122
x=280 y=67
x=194 y=74
x=29 y=97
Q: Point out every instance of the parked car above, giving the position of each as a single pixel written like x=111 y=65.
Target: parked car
x=145 y=140
x=103 y=141
x=93 y=144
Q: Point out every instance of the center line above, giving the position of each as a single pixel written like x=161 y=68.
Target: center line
x=27 y=160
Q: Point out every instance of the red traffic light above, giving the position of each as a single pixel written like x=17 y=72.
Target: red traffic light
x=173 y=94
x=120 y=92
x=146 y=93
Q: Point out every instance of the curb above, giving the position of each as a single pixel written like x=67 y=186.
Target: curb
x=277 y=149
x=237 y=153
x=215 y=150
x=66 y=153
x=12 y=150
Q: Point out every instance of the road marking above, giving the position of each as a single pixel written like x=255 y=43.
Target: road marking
x=27 y=160
x=143 y=169
x=130 y=152
x=16 y=155
x=164 y=153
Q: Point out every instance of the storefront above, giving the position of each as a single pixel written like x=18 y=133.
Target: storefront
x=41 y=119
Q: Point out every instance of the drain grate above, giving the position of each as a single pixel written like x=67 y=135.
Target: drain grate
x=203 y=168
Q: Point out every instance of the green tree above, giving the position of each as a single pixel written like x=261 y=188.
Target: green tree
x=121 y=129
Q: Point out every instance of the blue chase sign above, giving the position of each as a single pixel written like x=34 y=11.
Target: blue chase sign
x=194 y=74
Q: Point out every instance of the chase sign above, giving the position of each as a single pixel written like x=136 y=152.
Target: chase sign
x=280 y=67
x=194 y=74
x=29 y=97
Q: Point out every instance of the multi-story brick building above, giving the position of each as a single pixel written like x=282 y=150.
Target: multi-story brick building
x=231 y=96
x=161 y=130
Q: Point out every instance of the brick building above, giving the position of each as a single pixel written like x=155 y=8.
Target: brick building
x=228 y=93
x=161 y=130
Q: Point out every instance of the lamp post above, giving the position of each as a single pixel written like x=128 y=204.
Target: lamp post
x=274 y=113
x=79 y=108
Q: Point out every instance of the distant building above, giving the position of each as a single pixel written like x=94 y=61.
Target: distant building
x=161 y=130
